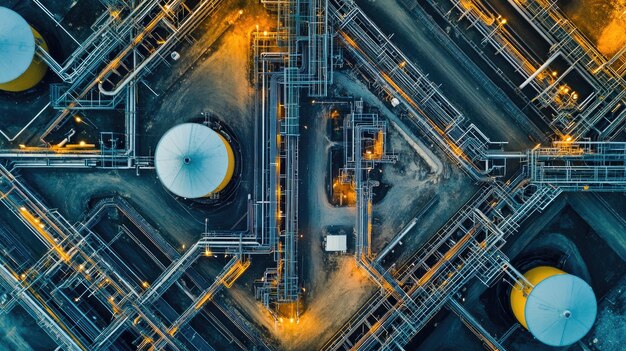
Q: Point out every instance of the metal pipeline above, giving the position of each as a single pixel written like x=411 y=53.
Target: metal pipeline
x=140 y=10
x=176 y=33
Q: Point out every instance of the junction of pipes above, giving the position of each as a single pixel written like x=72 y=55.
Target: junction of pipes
x=312 y=175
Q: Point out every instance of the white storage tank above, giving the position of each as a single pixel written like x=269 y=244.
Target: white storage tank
x=20 y=68
x=194 y=161
x=558 y=308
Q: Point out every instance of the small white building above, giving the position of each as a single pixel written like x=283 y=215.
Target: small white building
x=336 y=243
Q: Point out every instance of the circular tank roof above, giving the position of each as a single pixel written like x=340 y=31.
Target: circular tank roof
x=17 y=45
x=560 y=310
x=192 y=160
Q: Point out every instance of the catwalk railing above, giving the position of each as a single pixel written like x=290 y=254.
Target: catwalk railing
x=579 y=166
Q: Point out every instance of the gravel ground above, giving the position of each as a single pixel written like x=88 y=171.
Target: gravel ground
x=609 y=333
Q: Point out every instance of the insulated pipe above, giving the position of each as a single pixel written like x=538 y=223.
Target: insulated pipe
x=540 y=69
x=504 y=154
x=396 y=240
x=405 y=230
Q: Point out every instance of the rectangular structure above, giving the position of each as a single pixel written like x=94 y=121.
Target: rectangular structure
x=336 y=243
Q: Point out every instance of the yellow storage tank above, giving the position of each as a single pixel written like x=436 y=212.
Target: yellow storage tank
x=558 y=308
x=20 y=68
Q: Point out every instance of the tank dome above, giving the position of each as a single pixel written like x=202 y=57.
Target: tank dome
x=194 y=161
x=20 y=69
x=558 y=310
x=17 y=45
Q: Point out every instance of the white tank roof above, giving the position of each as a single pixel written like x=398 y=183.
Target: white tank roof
x=560 y=310
x=17 y=45
x=191 y=160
